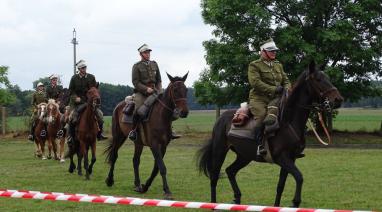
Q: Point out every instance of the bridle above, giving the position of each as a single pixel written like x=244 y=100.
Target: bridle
x=174 y=100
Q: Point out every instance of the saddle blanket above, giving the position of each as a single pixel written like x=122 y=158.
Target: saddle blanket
x=245 y=131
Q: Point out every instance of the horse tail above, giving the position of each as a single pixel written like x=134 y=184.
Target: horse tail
x=217 y=142
x=115 y=141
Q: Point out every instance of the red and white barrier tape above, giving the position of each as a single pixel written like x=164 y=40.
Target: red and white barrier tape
x=150 y=202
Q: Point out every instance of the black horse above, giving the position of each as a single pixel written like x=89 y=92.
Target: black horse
x=312 y=86
x=155 y=133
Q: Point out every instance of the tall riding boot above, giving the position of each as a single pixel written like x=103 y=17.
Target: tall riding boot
x=31 y=136
x=173 y=134
x=100 y=135
x=259 y=138
x=271 y=120
x=133 y=133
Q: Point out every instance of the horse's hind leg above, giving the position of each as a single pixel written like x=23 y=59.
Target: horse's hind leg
x=157 y=153
x=117 y=142
x=231 y=171
x=217 y=162
x=136 y=161
x=54 y=148
x=50 y=147
x=80 y=155
x=93 y=147
x=62 y=148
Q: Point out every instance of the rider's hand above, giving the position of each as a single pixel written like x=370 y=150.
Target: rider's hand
x=78 y=99
x=279 y=90
x=149 y=90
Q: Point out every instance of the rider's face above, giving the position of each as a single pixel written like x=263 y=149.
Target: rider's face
x=269 y=55
x=145 y=55
x=82 y=70
x=53 y=81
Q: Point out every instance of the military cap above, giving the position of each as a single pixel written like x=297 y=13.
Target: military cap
x=268 y=45
x=40 y=84
x=81 y=64
x=144 y=48
x=53 y=76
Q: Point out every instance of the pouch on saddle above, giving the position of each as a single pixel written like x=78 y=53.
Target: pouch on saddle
x=143 y=111
x=128 y=110
x=243 y=125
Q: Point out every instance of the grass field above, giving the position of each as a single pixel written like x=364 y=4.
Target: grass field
x=333 y=178
x=351 y=120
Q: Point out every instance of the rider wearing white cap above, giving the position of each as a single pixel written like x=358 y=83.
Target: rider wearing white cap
x=53 y=90
x=39 y=96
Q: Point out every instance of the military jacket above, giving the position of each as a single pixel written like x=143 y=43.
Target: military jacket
x=145 y=74
x=79 y=86
x=38 y=97
x=264 y=77
x=53 y=92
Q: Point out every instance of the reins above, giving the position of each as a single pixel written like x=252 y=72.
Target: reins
x=171 y=93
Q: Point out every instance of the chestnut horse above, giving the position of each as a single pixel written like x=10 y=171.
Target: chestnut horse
x=86 y=134
x=40 y=125
x=157 y=131
x=54 y=124
x=312 y=89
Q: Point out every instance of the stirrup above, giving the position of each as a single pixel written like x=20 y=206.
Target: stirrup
x=43 y=133
x=132 y=135
x=60 y=133
x=261 y=151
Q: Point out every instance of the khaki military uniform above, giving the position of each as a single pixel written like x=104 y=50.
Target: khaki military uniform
x=145 y=74
x=53 y=92
x=37 y=98
x=264 y=77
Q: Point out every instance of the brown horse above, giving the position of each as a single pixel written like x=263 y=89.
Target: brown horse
x=40 y=125
x=313 y=89
x=156 y=133
x=54 y=124
x=86 y=134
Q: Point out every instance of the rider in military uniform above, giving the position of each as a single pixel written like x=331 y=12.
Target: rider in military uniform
x=79 y=85
x=268 y=82
x=53 y=90
x=147 y=82
x=39 y=96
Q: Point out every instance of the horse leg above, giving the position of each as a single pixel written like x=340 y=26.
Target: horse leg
x=80 y=156
x=54 y=148
x=290 y=167
x=157 y=153
x=231 y=171
x=217 y=162
x=116 y=143
x=62 y=146
x=86 y=162
x=42 y=143
x=280 y=186
x=154 y=173
x=92 y=162
x=49 y=148
x=136 y=161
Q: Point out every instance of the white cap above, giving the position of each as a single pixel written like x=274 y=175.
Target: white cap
x=144 y=48
x=269 y=45
x=81 y=64
x=53 y=76
x=40 y=84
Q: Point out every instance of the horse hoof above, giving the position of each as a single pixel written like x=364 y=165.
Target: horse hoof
x=80 y=173
x=62 y=161
x=168 y=196
x=43 y=158
x=49 y=157
x=138 y=189
x=109 y=182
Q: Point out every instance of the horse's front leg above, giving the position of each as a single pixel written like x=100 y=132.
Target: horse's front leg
x=62 y=148
x=86 y=161
x=136 y=161
x=54 y=148
x=158 y=155
x=42 y=144
x=280 y=186
x=79 y=156
x=290 y=167
x=50 y=146
x=92 y=162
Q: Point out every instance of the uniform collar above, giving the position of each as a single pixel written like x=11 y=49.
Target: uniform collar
x=267 y=62
x=146 y=62
x=86 y=75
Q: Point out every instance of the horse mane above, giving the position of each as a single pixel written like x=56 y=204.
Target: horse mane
x=53 y=102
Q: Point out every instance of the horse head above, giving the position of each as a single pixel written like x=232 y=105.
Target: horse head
x=321 y=89
x=41 y=110
x=178 y=94
x=93 y=97
x=52 y=110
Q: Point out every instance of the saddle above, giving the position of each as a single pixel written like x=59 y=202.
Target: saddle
x=143 y=111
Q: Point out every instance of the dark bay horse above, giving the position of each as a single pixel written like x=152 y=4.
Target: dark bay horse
x=86 y=134
x=53 y=125
x=157 y=132
x=313 y=86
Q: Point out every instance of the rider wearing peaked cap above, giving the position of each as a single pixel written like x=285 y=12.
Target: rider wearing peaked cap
x=39 y=96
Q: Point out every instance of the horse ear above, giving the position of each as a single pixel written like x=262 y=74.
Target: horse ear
x=170 y=77
x=185 y=76
x=312 y=67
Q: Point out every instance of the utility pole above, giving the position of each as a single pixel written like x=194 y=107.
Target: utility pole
x=74 y=42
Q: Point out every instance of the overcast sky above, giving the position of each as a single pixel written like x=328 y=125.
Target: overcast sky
x=35 y=38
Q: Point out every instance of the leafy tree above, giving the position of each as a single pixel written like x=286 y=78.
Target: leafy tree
x=5 y=96
x=111 y=95
x=343 y=35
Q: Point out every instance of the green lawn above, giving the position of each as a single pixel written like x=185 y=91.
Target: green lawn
x=333 y=178
x=352 y=120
